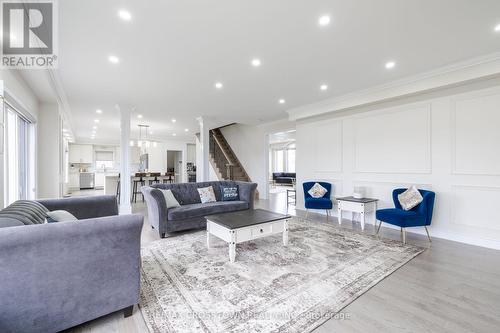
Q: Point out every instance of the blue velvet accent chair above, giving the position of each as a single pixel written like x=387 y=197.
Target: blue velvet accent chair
x=418 y=216
x=318 y=203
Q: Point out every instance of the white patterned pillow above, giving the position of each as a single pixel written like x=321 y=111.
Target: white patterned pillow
x=207 y=194
x=317 y=191
x=410 y=198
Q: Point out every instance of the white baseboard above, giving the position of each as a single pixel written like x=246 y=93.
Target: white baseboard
x=482 y=242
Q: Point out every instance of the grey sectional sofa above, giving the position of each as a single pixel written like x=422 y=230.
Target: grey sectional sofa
x=191 y=214
x=58 y=275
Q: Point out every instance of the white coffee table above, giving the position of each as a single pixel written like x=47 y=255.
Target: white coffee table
x=241 y=226
x=362 y=206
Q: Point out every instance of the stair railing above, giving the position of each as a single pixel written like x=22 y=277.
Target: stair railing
x=221 y=158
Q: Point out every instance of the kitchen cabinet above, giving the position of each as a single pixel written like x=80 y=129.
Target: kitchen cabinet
x=135 y=155
x=99 y=179
x=74 y=180
x=81 y=154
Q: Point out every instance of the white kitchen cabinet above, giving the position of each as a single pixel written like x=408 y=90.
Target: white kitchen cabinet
x=74 y=180
x=81 y=154
x=135 y=155
x=99 y=179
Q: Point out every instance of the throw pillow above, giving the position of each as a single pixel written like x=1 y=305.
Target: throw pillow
x=317 y=191
x=60 y=216
x=229 y=193
x=410 y=198
x=207 y=194
x=170 y=199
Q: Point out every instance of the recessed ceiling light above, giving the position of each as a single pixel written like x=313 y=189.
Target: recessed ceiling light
x=174 y=120
x=139 y=116
x=124 y=15
x=113 y=59
x=98 y=111
x=497 y=28
x=65 y=130
x=95 y=127
x=323 y=87
x=324 y=20
x=186 y=130
x=174 y=134
x=390 y=65
x=281 y=101
x=218 y=85
x=256 y=62
x=96 y=121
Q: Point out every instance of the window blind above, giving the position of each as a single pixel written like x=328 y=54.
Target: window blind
x=103 y=155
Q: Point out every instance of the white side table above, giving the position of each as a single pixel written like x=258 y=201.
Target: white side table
x=361 y=206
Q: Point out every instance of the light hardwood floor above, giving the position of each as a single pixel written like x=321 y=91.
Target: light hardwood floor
x=451 y=287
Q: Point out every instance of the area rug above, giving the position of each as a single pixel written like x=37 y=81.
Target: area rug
x=270 y=288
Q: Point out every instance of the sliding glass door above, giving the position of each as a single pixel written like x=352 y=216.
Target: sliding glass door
x=18 y=156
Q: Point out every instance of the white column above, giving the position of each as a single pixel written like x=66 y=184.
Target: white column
x=125 y=207
x=203 y=171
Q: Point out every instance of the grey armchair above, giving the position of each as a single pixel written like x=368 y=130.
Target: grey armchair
x=58 y=275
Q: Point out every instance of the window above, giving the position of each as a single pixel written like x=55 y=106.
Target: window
x=290 y=160
x=104 y=159
x=282 y=157
x=279 y=161
x=19 y=157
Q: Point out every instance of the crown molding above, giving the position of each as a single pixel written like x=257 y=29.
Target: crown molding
x=451 y=75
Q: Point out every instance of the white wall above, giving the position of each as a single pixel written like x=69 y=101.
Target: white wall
x=250 y=143
x=49 y=136
x=158 y=156
x=15 y=86
x=447 y=142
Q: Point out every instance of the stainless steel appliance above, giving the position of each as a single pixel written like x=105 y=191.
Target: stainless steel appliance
x=87 y=180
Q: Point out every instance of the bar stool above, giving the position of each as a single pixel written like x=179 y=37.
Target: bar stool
x=139 y=179
x=155 y=180
x=118 y=190
x=169 y=179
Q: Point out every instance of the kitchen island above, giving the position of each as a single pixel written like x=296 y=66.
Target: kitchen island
x=111 y=181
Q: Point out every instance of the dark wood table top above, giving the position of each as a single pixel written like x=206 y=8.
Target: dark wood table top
x=353 y=199
x=245 y=218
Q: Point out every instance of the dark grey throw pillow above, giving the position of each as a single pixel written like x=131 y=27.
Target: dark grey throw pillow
x=229 y=193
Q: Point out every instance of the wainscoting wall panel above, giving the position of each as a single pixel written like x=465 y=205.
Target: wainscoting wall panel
x=396 y=141
x=382 y=190
x=331 y=160
x=448 y=143
x=473 y=153
x=473 y=205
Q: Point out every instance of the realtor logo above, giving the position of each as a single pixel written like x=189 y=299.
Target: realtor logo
x=28 y=34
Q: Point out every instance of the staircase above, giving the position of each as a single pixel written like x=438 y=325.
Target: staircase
x=224 y=160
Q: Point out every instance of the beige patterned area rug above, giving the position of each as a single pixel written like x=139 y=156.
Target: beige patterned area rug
x=270 y=288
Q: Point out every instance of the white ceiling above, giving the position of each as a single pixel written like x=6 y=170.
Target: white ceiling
x=172 y=52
